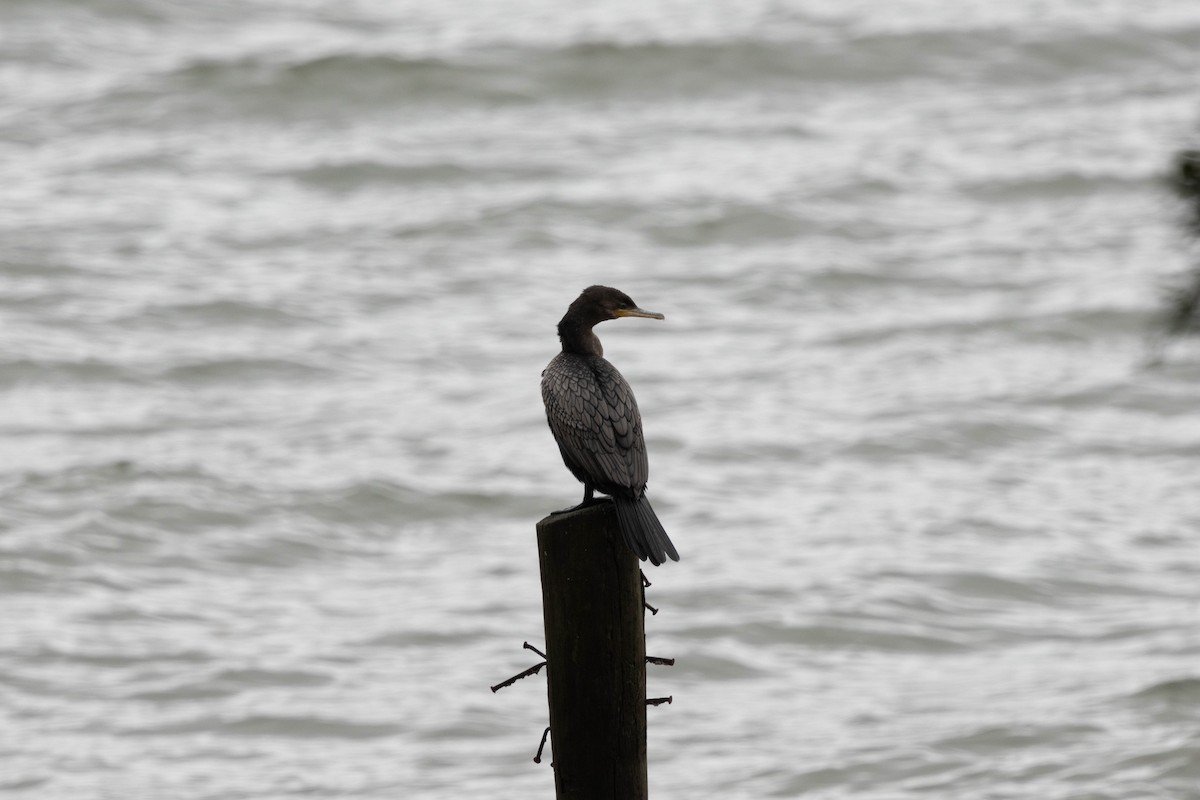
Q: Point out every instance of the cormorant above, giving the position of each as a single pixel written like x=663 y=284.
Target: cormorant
x=596 y=423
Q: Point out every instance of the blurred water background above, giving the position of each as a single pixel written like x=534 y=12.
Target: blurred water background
x=277 y=280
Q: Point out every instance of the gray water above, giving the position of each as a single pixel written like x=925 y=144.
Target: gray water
x=277 y=282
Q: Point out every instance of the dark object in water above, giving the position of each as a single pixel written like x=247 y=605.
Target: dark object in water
x=1186 y=175
x=1183 y=301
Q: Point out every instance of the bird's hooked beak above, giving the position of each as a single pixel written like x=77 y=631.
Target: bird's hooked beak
x=637 y=312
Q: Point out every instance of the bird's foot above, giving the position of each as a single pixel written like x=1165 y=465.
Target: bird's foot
x=591 y=501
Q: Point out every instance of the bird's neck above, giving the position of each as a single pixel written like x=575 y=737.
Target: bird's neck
x=577 y=337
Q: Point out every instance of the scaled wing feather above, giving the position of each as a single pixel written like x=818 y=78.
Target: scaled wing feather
x=595 y=421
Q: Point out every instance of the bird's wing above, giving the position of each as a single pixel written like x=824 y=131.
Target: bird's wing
x=595 y=421
x=626 y=422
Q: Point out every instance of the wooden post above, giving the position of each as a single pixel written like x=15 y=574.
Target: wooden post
x=595 y=656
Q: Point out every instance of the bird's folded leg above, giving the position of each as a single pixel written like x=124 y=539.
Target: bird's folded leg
x=588 y=500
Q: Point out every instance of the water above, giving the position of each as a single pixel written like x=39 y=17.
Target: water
x=277 y=281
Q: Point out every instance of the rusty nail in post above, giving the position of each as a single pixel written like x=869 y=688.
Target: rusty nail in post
x=538 y=758
x=524 y=674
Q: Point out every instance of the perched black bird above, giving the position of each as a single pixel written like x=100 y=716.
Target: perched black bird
x=596 y=423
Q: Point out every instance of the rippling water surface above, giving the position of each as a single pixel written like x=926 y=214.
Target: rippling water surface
x=276 y=284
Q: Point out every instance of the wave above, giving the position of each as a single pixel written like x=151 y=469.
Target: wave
x=298 y=726
x=229 y=682
x=856 y=635
x=702 y=67
x=224 y=311
x=1055 y=185
x=1181 y=692
x=353 y=174
x=504 y=74
x=731 y=224
x=992 y=739
x=239 y=369
x=61 y=371
x=260 y=85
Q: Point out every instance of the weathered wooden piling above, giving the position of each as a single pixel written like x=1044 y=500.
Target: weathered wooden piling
x=596 y=656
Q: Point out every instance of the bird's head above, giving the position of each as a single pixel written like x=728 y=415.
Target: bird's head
x=598 y=303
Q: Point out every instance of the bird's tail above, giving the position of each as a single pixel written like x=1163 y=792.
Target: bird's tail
x=643 y=532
